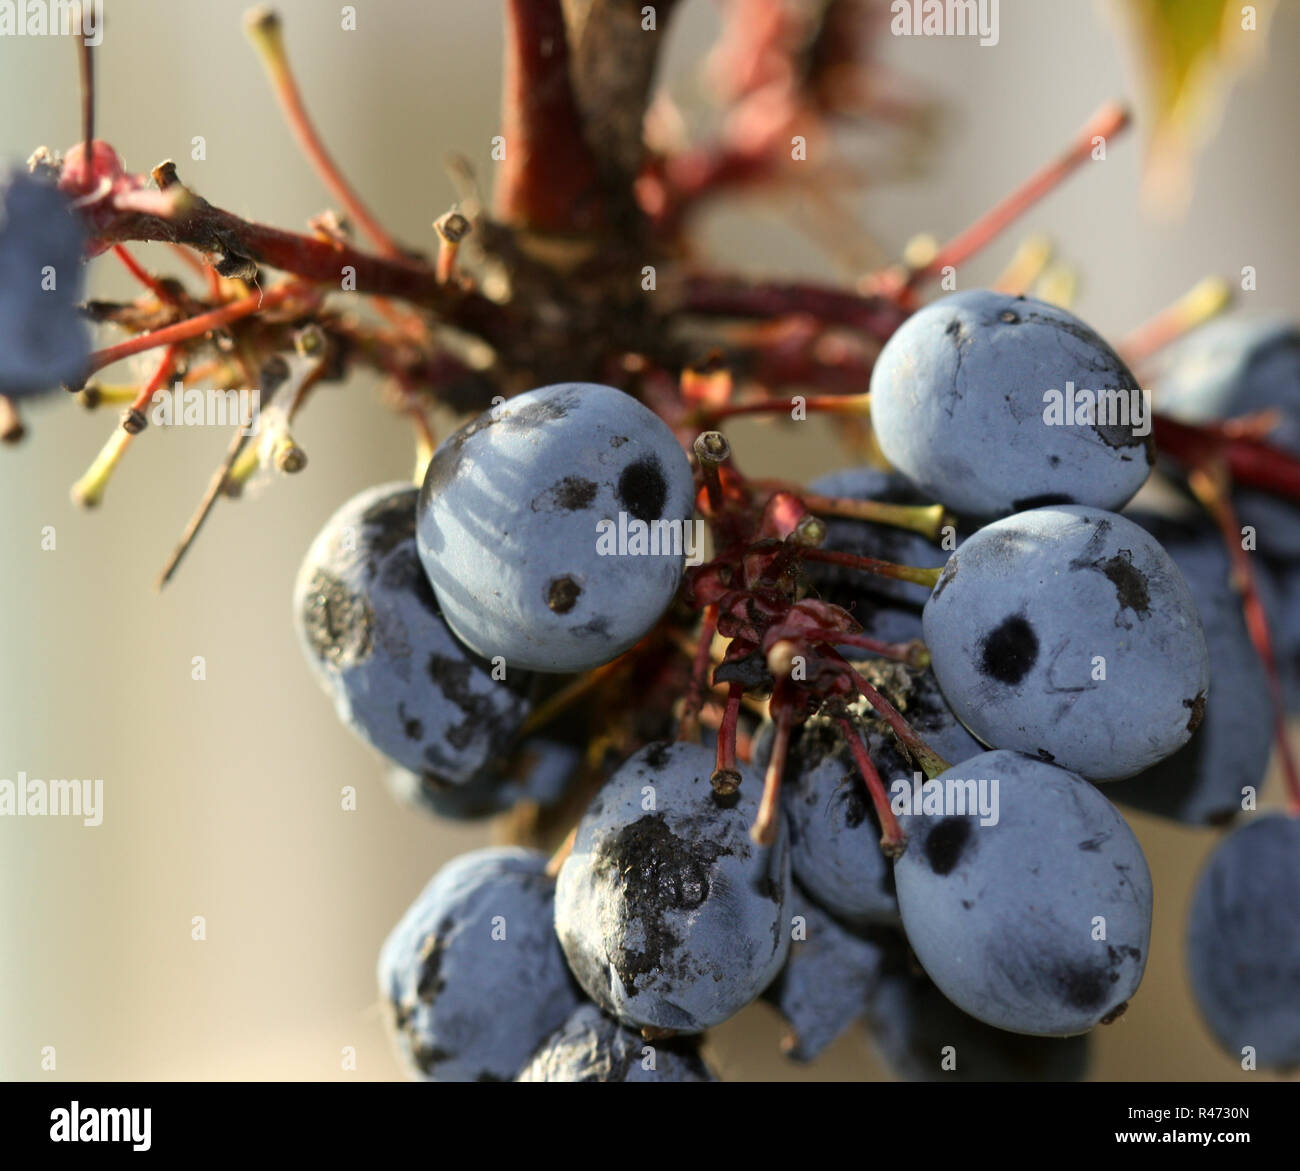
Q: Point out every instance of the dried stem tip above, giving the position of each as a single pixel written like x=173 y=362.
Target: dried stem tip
x=711 y=447
x=452 y=227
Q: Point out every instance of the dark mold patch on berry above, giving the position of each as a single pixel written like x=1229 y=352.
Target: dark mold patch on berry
x=1130 y=583
x=338 y=622
x=658 y=754
x=659 y=873
x=562 y=594
x=572 y=494
x=431 y=982
x=1197 y=708
x=1009 y=651
x=452 y=677
x=642 y=489
x=1084 y=987
x=946 y=842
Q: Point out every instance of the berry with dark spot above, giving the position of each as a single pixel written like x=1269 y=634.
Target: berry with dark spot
x=1016 y=922
x=670 y=915
x=1204 y=782
x=1069 y=633
x=547 y=543
x=962 y=397
x=371 y=630
x=472 y=976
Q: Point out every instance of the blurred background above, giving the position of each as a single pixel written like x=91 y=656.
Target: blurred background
x=223 y=795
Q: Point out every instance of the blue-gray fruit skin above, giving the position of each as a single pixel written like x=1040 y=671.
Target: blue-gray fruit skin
x=472 y=976
x=44 y=340
x=369 y=626
x=834 y=832
x=924 y=1037
x=1028 y=612
x=509 y=517
x=670 y=915
x=592 y=1047
x=1243 y=941
x=1203 y=782
x=1240 y=366
x=957 y=404
x=825 y=983
x=539 y=771
x=1004 y=917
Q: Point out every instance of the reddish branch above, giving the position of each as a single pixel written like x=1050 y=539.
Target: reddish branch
x=547 y=180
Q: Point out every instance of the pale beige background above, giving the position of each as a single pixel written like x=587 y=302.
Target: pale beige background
x=223 y=796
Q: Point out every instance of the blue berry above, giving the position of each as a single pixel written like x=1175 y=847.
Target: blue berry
x=1008 y=918
x=1238 y=366
x=958 y=402
x=924 y=1037
x=670 y=915
x=1203 y=782
x=370 y=628
x=1069 y=633
x=1243 y=941
x=825 y=983
x=539 y=771
x=590 y=1047
x=43 y=338
x=472 y=975
x=834 y=832
x=508 y=526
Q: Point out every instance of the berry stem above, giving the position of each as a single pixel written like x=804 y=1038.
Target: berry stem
x=1251 y=462
x=150 y=282
x=893 y=841
x=1211 y=484
x=912 y=573
x=932 y=764
x=1201 y=303
x=768 y=819
x=726 y=776
x=927 y=519
x=193 y=327
x=1108 y=121
x=689 y=728
x=266 y=33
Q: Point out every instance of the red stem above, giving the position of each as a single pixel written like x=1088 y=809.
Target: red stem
x=930 y=761
x=893 y=841
x=192 y=327
x=1106 y=122
x=689 y=726
x=1251 y=462
x=548 y=179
